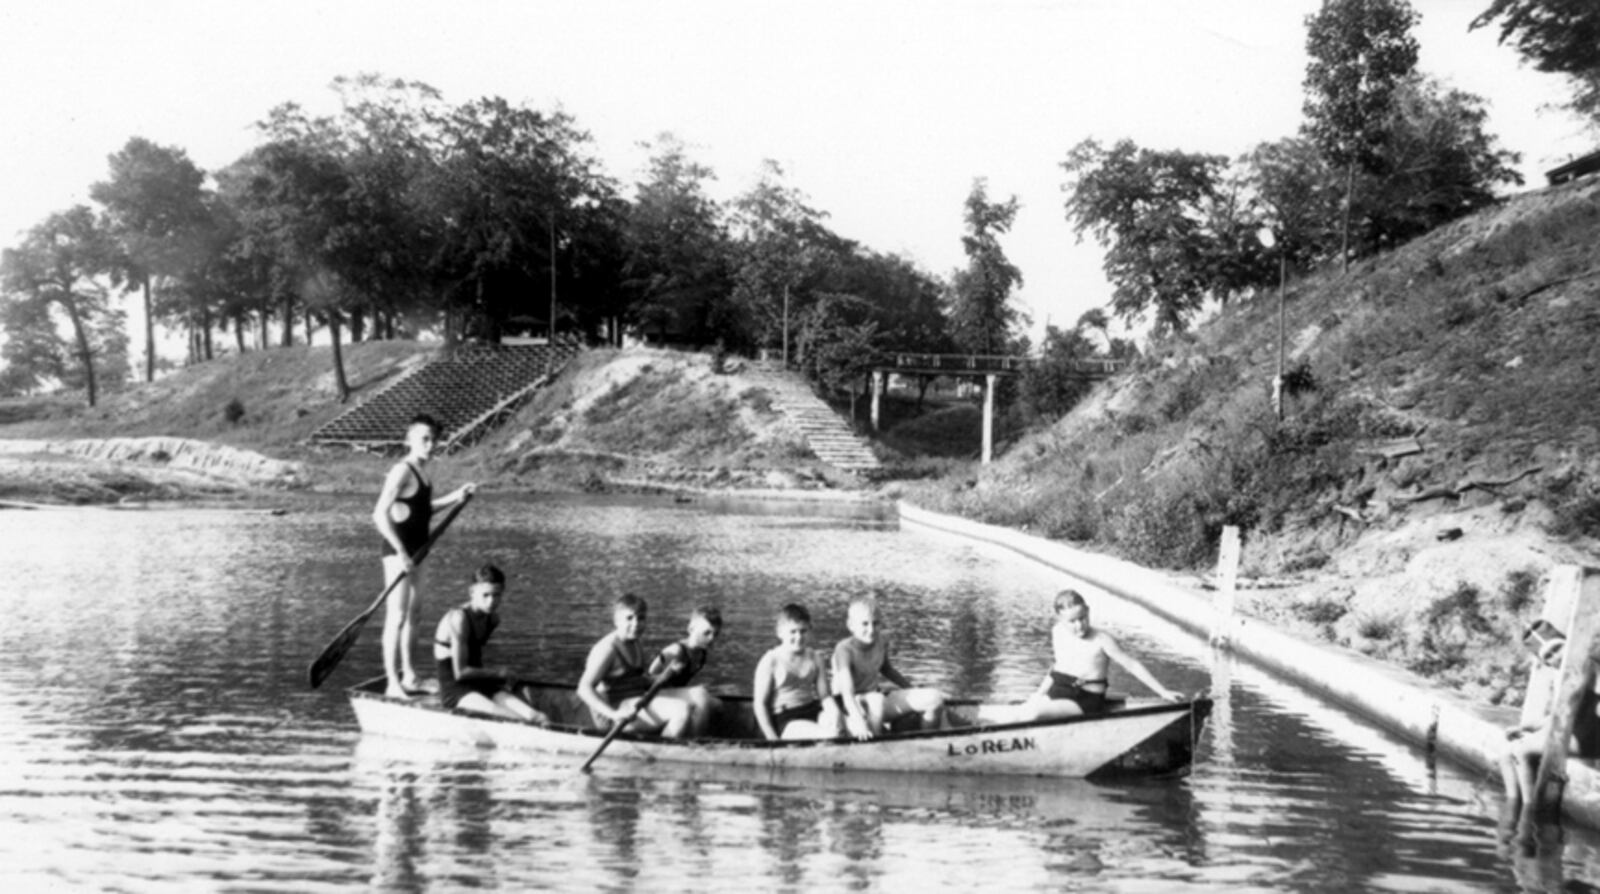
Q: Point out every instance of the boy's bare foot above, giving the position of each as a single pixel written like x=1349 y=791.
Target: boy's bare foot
x=395 y=691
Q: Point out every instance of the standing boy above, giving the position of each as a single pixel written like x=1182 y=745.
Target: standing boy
x=683 y=659
x=791 y=697
x=403 y=514
x=861 y=667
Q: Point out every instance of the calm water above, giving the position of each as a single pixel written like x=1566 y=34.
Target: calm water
x=157 y=733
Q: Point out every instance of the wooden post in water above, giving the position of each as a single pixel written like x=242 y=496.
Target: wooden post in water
x=877 y=389
x=1227 y=585
x=988 y=418
x=1572 y=607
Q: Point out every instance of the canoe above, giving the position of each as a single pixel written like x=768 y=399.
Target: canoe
x=1135 y=738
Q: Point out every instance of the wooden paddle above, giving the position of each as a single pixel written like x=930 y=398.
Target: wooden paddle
x=335 y=650
x=644 y=702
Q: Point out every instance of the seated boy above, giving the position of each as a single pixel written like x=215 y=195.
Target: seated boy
x=791 y=698
x=458 y=648
x=683 y=659
x=1077 y=682
x=860 y=667
x=615 y=680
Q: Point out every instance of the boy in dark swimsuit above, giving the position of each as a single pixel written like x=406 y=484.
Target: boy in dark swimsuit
x=458 y=647
x=682 y=660
x=404 y=511
x=615 y=677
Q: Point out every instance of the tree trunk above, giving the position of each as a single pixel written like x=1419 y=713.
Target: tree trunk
x=358 y=325
x=205 y=333
x=238 y=331
x=310 y=326
x=288 y=321
x=1344 y=230
x=149 y=336
x=342 y=384
x=85 y=356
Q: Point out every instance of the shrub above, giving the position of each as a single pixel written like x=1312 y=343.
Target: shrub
x=1324 y=611
x=233 y=411
x=1519 y=589
x=1379 y=627
x=1462 y=606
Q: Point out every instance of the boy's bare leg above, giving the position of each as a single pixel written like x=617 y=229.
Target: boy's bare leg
x=399 y=610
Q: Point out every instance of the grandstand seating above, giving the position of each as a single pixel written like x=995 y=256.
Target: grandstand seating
x=467 y=389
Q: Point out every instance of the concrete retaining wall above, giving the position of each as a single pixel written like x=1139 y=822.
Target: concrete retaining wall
x=1405 y=704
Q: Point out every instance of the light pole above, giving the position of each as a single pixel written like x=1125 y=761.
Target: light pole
x=1268 y=240
x=552 y=279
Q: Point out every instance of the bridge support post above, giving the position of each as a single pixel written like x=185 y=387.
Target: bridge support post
x=877 y=389
x=988 y=418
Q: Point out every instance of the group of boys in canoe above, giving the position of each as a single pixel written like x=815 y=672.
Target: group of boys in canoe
x=798 y=692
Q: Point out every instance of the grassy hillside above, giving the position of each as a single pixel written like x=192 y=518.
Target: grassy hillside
x=1440 y=447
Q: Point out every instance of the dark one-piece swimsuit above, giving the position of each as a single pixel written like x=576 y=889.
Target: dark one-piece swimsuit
x=475 y=630
x=413 y=530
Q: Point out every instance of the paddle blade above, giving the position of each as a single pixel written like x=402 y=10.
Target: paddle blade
x=335 y=651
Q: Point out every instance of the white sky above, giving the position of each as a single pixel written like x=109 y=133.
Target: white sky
x=881 y=111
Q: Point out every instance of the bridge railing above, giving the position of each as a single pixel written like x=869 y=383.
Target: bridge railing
x=994 y=363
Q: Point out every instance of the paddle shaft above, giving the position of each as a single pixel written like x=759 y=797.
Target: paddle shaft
x=644 y=702
x=339 y=646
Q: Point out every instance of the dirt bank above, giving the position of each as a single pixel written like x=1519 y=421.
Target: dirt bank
x=119 y=470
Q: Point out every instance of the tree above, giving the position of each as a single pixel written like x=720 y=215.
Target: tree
x=33 y=351
x=1052 y=386
x=1166 y=222
x=1360 y=51
x=56 y=265
x=781 y=242
x=1439 y=163
x=982 y=318
x=1559 y=36
x=154 y=198
x=676 y=273
x=514 y=193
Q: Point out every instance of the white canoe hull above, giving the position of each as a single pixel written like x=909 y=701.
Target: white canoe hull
x=1137 y=739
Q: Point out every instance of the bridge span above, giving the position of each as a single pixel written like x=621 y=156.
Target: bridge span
x=988 y=366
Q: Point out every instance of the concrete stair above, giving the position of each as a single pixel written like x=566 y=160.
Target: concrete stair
x=828 y=435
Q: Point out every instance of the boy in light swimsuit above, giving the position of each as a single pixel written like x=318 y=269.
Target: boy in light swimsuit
x=790 y=695
x=458 y=647
x=872 y=692
x=615 y=677
x=682 y=660
x=1076 y=684
x=403 y=514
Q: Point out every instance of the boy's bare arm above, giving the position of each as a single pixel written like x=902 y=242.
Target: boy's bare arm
x=1136 y=667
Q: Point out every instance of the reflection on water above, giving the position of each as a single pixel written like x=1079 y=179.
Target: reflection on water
x=157 y=734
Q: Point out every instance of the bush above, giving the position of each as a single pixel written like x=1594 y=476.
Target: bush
x=233 y=411
x=1377 y=627
x=1519 y=589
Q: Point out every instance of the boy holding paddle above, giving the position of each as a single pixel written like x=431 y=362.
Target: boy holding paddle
x=616 y=684
x=676 y=665
x=403 y=514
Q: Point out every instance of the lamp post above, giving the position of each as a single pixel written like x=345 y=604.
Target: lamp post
x=1268 y=240
x=552 y=279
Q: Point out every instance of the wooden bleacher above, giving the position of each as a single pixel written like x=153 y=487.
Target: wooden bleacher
x=469 y=390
